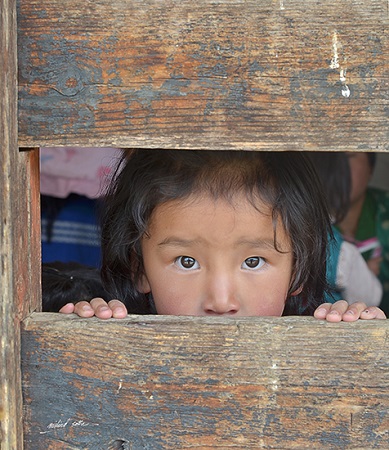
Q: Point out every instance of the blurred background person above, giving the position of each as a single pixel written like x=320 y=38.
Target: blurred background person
x=348 y=274
x=366 y=223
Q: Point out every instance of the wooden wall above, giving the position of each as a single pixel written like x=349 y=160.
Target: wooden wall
x=182 y=383
x=10 y=383
x=216 y=74
x=232 y=74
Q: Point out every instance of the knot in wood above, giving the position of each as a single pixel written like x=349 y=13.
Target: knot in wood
x=69 y=81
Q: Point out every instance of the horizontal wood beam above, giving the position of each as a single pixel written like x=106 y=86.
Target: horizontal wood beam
x=166 y=382
x=224 y=74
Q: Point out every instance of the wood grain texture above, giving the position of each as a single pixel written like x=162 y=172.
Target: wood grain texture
x=27 y=233
x=10 y=376
x=216 y=74
x=160 y=382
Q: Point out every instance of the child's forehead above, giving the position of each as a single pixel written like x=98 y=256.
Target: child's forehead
x=238 y=210
x=236 y=202
x=218 y=221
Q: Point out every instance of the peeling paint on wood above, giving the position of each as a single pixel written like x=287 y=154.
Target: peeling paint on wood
x=206 y=74
x=182 y=383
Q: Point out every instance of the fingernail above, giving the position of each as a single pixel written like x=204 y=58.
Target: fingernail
x=321 y=310
x=335 y=313
x=350 y=312
x=86 y=308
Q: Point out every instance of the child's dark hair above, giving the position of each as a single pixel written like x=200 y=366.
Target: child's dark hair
x=69 y=282
x=148 y=178
x=334 y=172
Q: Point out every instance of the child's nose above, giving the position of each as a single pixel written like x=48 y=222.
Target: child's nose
x=221 y=297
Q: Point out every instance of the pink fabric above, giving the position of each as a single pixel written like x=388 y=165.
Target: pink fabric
x=82 y=170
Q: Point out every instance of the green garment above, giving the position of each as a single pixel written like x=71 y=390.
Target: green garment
x=374 y=222
x=333 y=251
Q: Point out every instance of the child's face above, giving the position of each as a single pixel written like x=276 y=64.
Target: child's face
x=207 y=257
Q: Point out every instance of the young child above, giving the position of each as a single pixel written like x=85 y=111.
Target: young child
x=216 y=233
x=349 y=276
x=366 y=223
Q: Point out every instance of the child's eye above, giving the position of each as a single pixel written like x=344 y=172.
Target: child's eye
x=187 y=263
x=254 y=262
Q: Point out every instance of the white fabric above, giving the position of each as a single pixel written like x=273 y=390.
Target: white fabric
x=355 y=279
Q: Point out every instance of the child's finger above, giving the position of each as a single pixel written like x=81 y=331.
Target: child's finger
x=100 y=308
x=354 y=312
x=372 y=313
x=119 y=311
x=84 y=309
x=322 y=311
x=333 y=312
x=67 y=309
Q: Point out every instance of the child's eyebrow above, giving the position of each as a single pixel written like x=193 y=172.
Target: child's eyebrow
x=259 y=243
x=179 y=242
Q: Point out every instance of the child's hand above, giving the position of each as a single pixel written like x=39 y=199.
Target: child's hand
x=341 y=310
x=96 y=307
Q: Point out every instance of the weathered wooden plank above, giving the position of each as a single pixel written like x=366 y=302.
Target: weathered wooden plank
x=181 y=383
x=271 y=74
x=10 y=377
x=27 y=233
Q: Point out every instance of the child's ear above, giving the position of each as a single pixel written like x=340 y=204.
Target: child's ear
x=143 y=285
x=297 y=291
